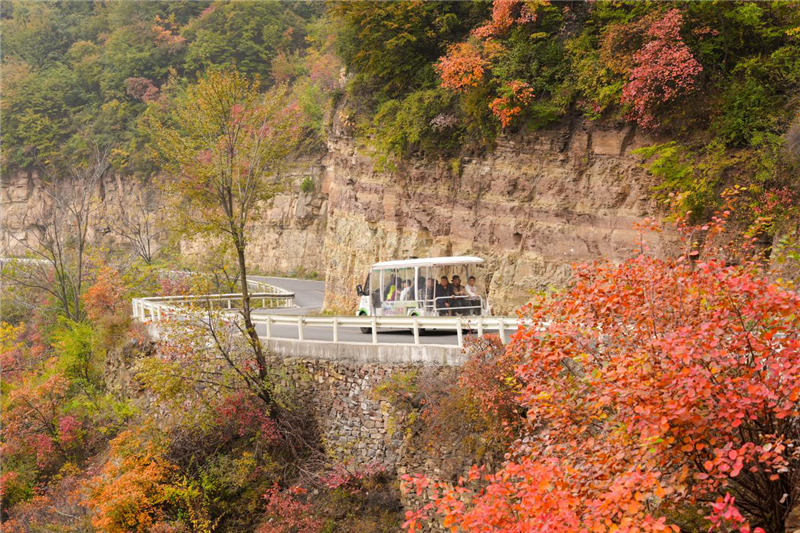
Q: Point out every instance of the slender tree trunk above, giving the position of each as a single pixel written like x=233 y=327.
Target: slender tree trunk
x=255 y=342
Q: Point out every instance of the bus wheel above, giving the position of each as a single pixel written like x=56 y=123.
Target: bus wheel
x=366 y=330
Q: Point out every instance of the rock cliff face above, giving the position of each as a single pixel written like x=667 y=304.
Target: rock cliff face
x=288 y=240
x=22 y=196
x=531 y=208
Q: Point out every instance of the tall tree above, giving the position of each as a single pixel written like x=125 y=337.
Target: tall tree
x=224 y=146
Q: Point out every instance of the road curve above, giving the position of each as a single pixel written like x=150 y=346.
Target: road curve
x=308 y=298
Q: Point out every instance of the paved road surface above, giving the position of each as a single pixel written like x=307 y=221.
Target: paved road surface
x=309 y=296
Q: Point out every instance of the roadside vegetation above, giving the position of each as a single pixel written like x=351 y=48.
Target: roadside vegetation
x=655 y=394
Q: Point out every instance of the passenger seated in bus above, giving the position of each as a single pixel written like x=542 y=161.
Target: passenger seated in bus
x=459 y=297
x=429 y=293
x=408 y=291
x=472 y=296
x=444 y=296
x=389 y=292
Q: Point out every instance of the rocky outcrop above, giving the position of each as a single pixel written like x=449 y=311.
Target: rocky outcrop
x=531 y=208
x=22 y=196
x=288 y=239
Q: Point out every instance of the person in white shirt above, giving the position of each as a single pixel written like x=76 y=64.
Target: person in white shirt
x=407 y=293
x=472 y=296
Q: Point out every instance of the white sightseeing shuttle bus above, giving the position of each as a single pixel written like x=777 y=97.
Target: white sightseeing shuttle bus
x=435 y=286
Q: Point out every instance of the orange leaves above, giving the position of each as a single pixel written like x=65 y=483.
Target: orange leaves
x=652 y=382
x=463 y=67
x=105 y=297
x=131 y=491
x=506 y=107
x=467 y=65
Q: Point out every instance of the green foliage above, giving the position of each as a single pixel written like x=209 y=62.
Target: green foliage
x=391 y=45
x=246 y=35
x=689 y=177
x=401 y=126
x=70 y=69
x=745 y=111
x=576 y=56
x=74 y=342
x=592 y=78
x=307 y=185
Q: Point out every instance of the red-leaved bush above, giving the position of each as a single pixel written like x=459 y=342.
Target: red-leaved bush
x=664 y=70
x=514 y=95
x=507 y=13
x=286 y=513
x=244 y=415
x=350 y=476
x=657 y=393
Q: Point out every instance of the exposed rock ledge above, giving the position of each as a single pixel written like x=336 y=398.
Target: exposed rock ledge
x=532 y=207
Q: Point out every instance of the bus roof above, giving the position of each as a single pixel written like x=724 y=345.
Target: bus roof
x=429 y=261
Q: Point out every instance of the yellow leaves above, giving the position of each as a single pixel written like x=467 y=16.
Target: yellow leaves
x=8 y=337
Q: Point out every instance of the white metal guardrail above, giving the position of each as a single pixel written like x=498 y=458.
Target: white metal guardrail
x=418 y=325
x=267 y=296
x=158 y=308
x=154 y=307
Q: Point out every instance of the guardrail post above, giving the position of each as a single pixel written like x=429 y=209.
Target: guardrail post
x=460 y=333
x=269 y=327
x=263 y=303
x=229 y=304
x=503 y=331
x=416 y=330
x=480 y=327
x=300 y=328
x=335 y=330
x=374 y=330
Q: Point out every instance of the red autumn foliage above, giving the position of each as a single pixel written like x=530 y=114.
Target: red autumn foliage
x=286 y=513
x=351 y=476
x=167 y=34
x=652 y=389
x=130 y=493
x=664 y=70
x=489 y=378
x=175 y=284
x=142 y=89
x=70 y=431
x=243 y=414
x=466 y=65
x=59 y=507
x=31 y=417
x=506 y=13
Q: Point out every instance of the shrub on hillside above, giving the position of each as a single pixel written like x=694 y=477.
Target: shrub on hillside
x=658 y=395
x=664 y=71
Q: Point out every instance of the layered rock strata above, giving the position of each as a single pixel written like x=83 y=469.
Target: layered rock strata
x=532 y=207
